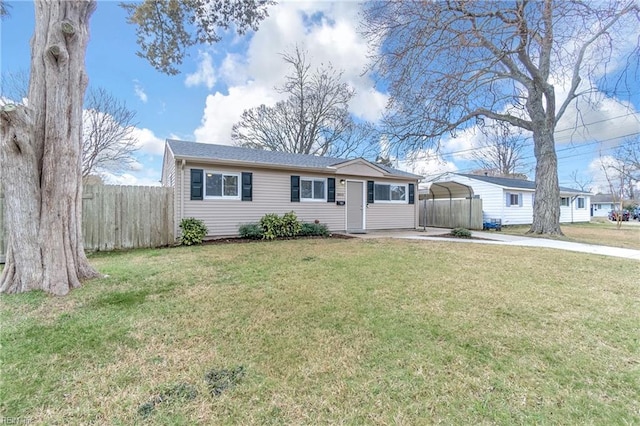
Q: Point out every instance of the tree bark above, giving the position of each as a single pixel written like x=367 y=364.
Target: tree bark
x=546 y=205
x=40 y=146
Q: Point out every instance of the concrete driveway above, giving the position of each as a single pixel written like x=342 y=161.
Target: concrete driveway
x=504 y=239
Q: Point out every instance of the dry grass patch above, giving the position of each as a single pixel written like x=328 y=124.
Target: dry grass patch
x=331 y=332
x=597 y=232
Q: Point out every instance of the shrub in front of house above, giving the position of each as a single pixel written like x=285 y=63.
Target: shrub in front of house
x=461 y=233
x=271 y=225
x=314 y=230
x=291 y=226
x=252 y=231
x=193 y=231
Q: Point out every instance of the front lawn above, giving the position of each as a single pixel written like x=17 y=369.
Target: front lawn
x=605 y=233
x=330 y=332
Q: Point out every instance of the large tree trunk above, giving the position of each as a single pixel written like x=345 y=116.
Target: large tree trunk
x=546 y=206
x=40 y=146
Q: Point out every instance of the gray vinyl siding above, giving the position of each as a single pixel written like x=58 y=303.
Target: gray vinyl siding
x=391 y=216
x=272 y=194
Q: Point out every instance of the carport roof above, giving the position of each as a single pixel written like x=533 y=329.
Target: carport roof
x=448 y=189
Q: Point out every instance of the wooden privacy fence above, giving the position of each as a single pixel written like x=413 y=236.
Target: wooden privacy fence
x=120 y=217
x=446 y=213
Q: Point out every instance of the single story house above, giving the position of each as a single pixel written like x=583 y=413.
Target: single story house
x=227 y=186
x=602 y=204
x=511 y=200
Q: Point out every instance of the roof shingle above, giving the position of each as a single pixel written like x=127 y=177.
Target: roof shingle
x=208 y=151
x=516 y=183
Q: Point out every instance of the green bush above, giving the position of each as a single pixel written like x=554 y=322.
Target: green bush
x=291 y=226
x=314 y=229
x=274 y=226
x=251 y=231
x=461 y=233
x=271 y=225
x=193 y=231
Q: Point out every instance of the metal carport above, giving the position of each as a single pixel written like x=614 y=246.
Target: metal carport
x=450 y=204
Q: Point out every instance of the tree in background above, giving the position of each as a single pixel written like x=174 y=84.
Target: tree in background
x=500 y=152
x=108 y=125
x=108 y=139
x=450 y=63
x=582 y=183
x=313 y=119
x=41 y=143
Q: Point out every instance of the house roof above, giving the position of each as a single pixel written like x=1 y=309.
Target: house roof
x=516 y=183
x=602 y=198
x=207 y=151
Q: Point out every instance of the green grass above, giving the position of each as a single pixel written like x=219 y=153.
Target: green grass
x=330 y=332
x=600 y=232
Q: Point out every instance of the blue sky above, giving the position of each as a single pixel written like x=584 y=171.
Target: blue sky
x=218 y=82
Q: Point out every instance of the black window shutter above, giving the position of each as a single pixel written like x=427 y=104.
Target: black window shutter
x=331 y=190
x=411 y=193
x=295 y=189
x=370 y=188
x=196 y=184
x=247 y=183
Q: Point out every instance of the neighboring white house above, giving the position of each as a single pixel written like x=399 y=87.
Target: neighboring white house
x=602 y=204
x=227 y=186
x=511 y=200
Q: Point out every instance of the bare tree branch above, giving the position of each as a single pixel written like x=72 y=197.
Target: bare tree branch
x=108 y=142
x=501 y=151
x=449 y=63
x=313 y=119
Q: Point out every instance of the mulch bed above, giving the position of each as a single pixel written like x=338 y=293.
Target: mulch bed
x=238 y=240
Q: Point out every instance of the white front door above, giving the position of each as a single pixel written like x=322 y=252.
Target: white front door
x=355 y=206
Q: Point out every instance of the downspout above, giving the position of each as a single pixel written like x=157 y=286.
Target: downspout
x=573 y=199
x=470 y=205
x=184 y=162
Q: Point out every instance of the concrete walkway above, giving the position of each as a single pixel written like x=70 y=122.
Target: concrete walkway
x=494 y=237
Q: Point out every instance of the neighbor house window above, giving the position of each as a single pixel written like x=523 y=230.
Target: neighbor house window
x=564 y=201
x=312 y=189
x=581 y=202
x=221 y=185
x=390 y=193
x=514 y=199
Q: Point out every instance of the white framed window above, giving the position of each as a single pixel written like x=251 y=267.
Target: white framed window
x=580 y=201
x=389 y=193
x=313 y=189
x=564 y=201
x=514 y=199
x=222 y=185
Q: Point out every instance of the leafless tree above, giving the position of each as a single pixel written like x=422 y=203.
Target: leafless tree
x=500 y=150
x=582 y=183
x=108 y=141
x=313 y=119
x=451 y=63
x=627 y=166
x=41 y=143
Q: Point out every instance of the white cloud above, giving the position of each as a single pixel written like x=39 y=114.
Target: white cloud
x=607 y=120
x=148 y=142
x=602 y=182
x=205 y=74
x=223 y=111
x=326 y=30
x=139 y=91
x=426 y=162
x=128 y=179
